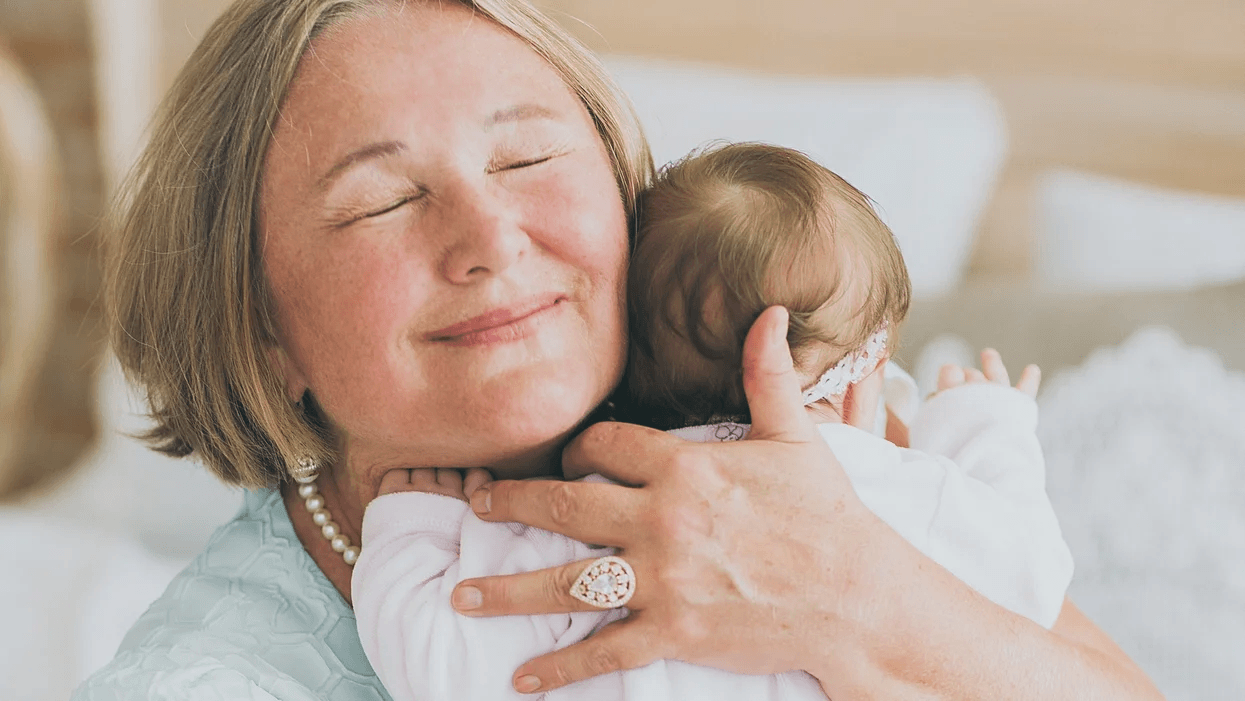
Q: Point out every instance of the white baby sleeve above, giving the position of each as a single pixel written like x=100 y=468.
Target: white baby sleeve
x=994 y=527
x=989 y=431
x=421 y=648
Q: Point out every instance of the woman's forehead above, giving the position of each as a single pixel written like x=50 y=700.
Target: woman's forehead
x=411 y=68
x=433 y=82
x=442 y=54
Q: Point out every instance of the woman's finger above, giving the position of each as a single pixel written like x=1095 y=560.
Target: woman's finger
x=528 y=593
x=1030 y=380
x=590 y=512
x=625 y=453
x=972 y=375
x=627 y=644
x=770 y=383
x=993 y=368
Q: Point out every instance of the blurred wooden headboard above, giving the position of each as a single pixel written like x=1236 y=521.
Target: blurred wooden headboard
x=1149 y=90
x=29 y=190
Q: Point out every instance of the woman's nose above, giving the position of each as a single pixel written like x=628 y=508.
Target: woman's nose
x=487 y=237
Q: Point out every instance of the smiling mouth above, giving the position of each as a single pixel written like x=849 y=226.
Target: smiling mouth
x=499 y=325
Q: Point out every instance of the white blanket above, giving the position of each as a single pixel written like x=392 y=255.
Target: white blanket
x=1145 y=454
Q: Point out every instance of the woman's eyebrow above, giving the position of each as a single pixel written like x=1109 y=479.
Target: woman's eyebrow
x=380 y=149
x=518 y=113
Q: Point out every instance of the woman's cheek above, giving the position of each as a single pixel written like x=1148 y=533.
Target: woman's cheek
x=365 y=309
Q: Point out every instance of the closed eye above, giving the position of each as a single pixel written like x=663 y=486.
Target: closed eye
x=524 y=164
x=396 y=204
x=387 y=209
x=518 y=165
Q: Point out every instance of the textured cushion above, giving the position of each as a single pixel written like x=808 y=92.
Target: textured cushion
x=1145 y=451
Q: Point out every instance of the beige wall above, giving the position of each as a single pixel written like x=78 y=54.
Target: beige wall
x=181 y=23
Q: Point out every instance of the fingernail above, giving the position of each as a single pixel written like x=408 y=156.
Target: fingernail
x=482 y=500
x=526 y=684
x=467 y=598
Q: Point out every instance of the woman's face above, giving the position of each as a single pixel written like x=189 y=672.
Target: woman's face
x=445 y=244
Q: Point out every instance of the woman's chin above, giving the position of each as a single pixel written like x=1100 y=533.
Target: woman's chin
x=516 y=424
x=539 y=416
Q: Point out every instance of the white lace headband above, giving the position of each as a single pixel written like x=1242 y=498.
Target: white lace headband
x=851 y=369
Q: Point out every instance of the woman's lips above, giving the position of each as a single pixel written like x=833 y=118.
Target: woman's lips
x=499 y=325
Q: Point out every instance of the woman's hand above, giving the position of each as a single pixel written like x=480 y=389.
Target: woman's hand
x=756 y=556
x=741 y=550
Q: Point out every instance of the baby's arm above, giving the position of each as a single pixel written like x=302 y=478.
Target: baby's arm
x=419 y=540
x=995 y=527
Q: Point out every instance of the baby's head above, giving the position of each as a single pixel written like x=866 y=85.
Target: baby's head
x=727 y=232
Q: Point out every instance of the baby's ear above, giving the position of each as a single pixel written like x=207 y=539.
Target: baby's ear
x=295 y=383
x=860 y=403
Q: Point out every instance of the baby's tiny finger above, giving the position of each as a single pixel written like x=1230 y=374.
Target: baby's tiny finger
x=424 y=478
x=950 y=376
x=1030 y=380
x=993 y=367
x=972 y=375
x=450 y=479
x=394 y=481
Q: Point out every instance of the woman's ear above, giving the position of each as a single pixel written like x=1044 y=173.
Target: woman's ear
x=295 y=383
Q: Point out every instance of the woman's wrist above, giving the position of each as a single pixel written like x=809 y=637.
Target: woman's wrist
x=896 y=620
x=862 y=642
x=906 y=628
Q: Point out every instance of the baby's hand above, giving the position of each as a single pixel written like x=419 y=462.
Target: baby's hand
x=992 y=370
x=435 y=480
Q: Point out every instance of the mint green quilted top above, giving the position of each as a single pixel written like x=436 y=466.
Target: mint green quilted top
x=251 y=618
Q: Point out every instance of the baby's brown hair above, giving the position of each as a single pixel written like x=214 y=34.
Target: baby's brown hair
x=725 y=233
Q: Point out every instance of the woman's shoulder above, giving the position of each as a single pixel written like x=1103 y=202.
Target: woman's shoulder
x=251 y=617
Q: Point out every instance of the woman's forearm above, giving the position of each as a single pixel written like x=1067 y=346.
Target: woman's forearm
x=908 y=629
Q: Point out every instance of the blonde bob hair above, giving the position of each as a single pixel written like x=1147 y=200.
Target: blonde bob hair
x=189 y=312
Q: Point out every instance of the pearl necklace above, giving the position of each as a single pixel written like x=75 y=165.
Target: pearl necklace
x=314 y=502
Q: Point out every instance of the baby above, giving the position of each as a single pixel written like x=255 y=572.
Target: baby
x=721 y=236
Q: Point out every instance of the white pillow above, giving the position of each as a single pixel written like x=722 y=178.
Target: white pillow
x=1098 y=233
x=927 y=151
x=68 y=594
x=170 y=506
